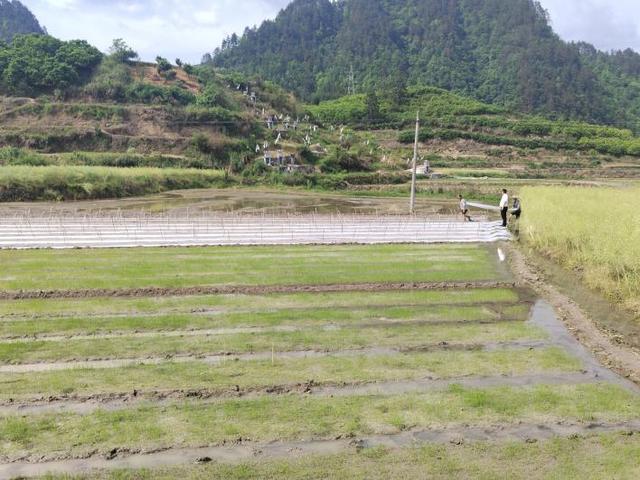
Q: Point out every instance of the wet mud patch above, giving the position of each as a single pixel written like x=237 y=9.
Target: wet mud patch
x=243 y=450
x=247 y=290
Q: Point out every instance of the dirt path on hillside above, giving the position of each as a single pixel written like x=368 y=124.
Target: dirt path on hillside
x=624 y=360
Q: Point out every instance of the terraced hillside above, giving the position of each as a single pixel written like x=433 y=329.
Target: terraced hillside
x=263 y=362
x=461 y=137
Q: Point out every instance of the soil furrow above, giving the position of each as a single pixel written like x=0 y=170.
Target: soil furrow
x=87 y=404
x=254 y=330
x=247 y=451
x=219 y=358
x=247 y=290
x=16 y=317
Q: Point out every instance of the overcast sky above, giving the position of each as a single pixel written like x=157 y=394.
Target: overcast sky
x=189 y=28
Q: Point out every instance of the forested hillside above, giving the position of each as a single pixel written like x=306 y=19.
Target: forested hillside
x=498 y=51
x=16 y=19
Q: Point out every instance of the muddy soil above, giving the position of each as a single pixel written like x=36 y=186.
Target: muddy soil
x=222 y=357
x=87 y=404
x=247 y=290
x=622 y=359
x=241 y=450
x=238 y=201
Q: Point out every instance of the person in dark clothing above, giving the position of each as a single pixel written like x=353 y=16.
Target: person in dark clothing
x=517 y=208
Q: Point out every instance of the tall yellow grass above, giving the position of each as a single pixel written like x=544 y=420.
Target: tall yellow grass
x=595 y=231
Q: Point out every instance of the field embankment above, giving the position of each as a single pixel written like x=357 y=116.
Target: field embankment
x=18 y=183
x=593 y=231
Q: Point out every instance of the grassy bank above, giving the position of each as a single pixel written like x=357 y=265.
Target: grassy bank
x=10 y=156
x=290 y=265
x=595 y=232
x=26 y=183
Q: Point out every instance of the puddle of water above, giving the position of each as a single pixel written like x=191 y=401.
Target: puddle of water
x=544 y=317
x=248 y=201
x=605 y=314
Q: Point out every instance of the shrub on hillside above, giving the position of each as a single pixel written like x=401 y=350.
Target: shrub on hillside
x=35 y=64
x=341 y=160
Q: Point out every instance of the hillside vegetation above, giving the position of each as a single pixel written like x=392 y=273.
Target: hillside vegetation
x=36 y=64
x=70 y=106
x=498 y=51
x=478 y=139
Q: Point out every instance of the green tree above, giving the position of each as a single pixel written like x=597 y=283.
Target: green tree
x=122 y=52
x=373 y=107
x=35 y=64
x=502 y=52
x=163 y=65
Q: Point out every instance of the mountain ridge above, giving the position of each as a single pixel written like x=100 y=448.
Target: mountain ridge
x=498 y=51
x=17 y=19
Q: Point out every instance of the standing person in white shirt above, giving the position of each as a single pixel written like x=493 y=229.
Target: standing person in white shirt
x=464 y=209
x=504 y=206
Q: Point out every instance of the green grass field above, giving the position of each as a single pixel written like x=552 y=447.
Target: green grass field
x=159 y=390
x=189 y=267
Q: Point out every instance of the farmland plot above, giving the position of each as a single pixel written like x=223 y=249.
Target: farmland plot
x=297 y=362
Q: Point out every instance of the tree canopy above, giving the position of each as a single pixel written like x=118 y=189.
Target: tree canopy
x=34 y=64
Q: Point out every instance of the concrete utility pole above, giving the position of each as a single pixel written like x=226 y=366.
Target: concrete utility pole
x=351 y=81
x=412 y=205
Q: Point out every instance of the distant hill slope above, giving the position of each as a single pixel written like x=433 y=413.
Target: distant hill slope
x=498 y=51
x=16 y=19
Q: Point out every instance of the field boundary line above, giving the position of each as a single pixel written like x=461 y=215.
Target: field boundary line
x=87 y=404
x=217 y=359
x=248 y=451
x=251 y=330
x=17 y=317
x=250 y=290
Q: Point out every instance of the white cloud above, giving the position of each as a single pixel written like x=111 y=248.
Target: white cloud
x=189 y=28
x=609 y=25
x=171 y=28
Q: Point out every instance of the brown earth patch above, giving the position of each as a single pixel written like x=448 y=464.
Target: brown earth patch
x=84 y=404
x=620 y=358
x=247 y=290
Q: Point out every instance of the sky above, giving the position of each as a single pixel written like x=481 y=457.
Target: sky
x=186 y=29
